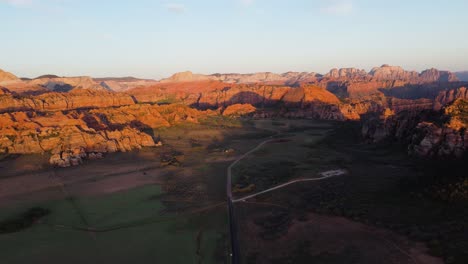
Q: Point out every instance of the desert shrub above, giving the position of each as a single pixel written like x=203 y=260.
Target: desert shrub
x=274 y=225
x=23 y=221
x=247 y=189
x=173 y=158
x=451 y=192
x=195 y=143
x=220 y=121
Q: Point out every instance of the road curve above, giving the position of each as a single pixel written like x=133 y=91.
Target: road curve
x=281 y=186
x=229 y=169
x=235 y=250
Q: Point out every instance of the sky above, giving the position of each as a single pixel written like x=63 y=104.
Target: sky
x=154 y=39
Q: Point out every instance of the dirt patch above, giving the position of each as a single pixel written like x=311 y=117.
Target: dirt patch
x=328 y=239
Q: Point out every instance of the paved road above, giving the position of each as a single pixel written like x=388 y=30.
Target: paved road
x=235 y=253
x=235 y=250
x=283 y=185
x=229 y=169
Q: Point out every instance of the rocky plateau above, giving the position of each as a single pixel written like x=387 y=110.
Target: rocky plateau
x=79 y=118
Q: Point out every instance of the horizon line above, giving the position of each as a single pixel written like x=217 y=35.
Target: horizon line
x=137 y=76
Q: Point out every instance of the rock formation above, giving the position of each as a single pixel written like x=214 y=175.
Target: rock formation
x=449 y=96
x=427 y=133
x=186 y=76
x=6 y=76
x=65 y=84
x=123 y=84
x=239 y=110
x=288 y=78
x=347 y=73
x=392 y=73
x=74 y=136
x=79 y=118
x=62 y=101
x=385 y=74
x=434 y=75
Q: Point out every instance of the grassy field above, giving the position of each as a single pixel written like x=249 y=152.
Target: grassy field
x=131 y=226
x=129 y=207
x=283 y=159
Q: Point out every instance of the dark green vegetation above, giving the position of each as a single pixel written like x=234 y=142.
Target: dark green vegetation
x=384 y=188
x=283 y=159
x=23 y=220
x=274 y=224
x=167 y=204
x=124 y=227
x=387 y=188
x=458 y=110
x=301 y=255
x=219 y=121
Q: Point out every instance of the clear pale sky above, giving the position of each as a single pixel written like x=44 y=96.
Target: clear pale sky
x=154 y=39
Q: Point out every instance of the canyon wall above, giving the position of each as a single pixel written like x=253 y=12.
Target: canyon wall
x=75 y=135
x=427 y=133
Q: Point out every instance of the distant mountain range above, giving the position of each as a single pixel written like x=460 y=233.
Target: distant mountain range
x=462 y=76
x=382 y=73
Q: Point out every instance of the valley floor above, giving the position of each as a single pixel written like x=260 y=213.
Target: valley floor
x=140 y=207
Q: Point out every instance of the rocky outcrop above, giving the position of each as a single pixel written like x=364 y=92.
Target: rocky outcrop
x=388 y=80
x=306 y=101
x=384 y=73
x=4 y=91
x=75 y=99
x=354 y=109
x=186 y=76
x=213 y=94
x=399 y=105
x=81 y=143
x=288 y=78
x=239 y=110
x=74 y=136
x=124 y=84
x=396 y=73
x=347 y=73
x=29 y=132
x=434 y=75
x=392 y=73
x=53 y=83
x=431 y=140
x=65 y=84
x=297 y=78
x=308 y=94
x=87 y=121
x=427 y=133
x=449 y=96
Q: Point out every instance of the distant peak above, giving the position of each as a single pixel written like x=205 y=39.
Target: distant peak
x=47 y=76
x=186 y=76
x=6 y=76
